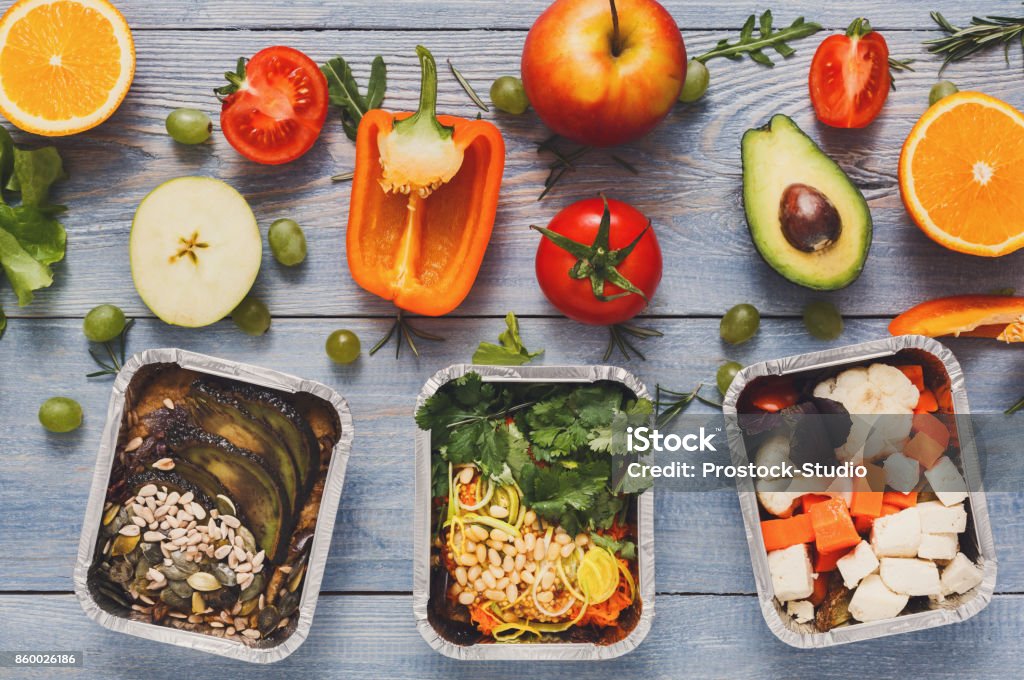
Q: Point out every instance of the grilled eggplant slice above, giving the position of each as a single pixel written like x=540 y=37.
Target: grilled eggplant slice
x=170 y=479
x=285 y=421
x=221 y=414
x=247 y=477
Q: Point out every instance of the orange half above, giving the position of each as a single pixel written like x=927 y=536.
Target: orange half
x=962 y=174
x=65 y=65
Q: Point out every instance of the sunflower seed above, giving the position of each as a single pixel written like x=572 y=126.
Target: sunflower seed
x=231 y=521
x=251 y=633
x=177 y=533
x=172 y=498
x=129 y=530
x=133 y=444
x=195 y=618
x=155 y=575
x=184 y=516
x=161 y=511
x=217 y=624
x=177 y=615
x=169 y=404
x=230 y=630
x=161 y=496
x=153 y=536
x=197 y=511
x=145 y=598
x=244 y=579
x=147 y=491
x=164 y=464
x=222 y=552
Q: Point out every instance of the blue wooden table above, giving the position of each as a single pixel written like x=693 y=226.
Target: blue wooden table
x=708 y=622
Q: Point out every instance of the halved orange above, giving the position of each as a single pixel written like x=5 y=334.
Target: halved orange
x=65 y=65
x=962 y=174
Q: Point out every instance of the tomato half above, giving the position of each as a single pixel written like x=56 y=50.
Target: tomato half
x=575 y=297
x=849 y=79
x=276 y=114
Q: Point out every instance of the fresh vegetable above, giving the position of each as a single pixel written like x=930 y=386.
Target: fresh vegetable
x=195 y=250
x=982 y=33
x=423 y=203
x=188 y=126
x=900 y=500
x=65 y=65
x=251 y=316
x=274 y=105
x=850 y=78
x=599 y=262
x=807 y=219
x=754 y=46
x=509 y=352
x=344 y=91
x=342 y=346
x=988 y=316
x=287 y=242
x=866 y=503
x=959 y=176
x=915 y=374
x=782 y=533
x=603 y=72
x=103 y=323
x=825 y=562
x=739 y=324
x=773 y=393
x=31 y=238
x=823 y=320
x=833 y=526
x=696 y=83
x=941 y=90
x=932 y=427
x=726 y=374
x=60 y=414
x=509 y=95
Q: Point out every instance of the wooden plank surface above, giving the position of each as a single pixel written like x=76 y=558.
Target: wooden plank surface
x=692 y=637
x=689 y=183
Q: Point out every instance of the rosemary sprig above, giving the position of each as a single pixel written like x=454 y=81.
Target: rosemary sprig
x=566 y=161
x=898 y=65
x=982 y=33
x=619 y=338
x=343 y=177
x=116 y=359
x=676 y=403
x=467 y=87
x=407 y=332
x=767 y=38
x=1016 y=407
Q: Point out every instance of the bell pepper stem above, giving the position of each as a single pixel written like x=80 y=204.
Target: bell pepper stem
x=426 y=115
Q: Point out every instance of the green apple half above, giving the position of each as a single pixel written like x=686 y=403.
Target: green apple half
x=195 y=250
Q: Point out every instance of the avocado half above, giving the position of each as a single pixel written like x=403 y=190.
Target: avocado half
x=777 y=157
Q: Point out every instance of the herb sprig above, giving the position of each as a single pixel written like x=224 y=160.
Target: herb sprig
x=116 y=358
x=754 y=46
x=674 y=403
x=467 y=88
x=982 y=33
x=343 y=91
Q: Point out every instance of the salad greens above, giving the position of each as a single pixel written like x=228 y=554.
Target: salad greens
x=343 y=91
x=510 y=351
x=31 y=238
x=767 y=38
x=556 y=441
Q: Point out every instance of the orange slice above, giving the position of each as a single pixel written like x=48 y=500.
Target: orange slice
x=65 y=65
x=962 y=174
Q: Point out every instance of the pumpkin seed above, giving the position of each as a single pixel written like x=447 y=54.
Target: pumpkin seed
x=112 y=594
x=296 y=579
x=198 y=604
x=181 y=588
x=123 y=545
x=203 y=581
x=111 y=513
x=254 y=588
x=121 y=571
x=267 y=619
x=248 y=607
x=182 y=562
x=174 y=598
x=224 y=574
x=225 y=505
x=289 y=604
x=248 y=540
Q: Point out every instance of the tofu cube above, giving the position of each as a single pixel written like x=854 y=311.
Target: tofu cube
x=897 y=535
x=902 y=473
x=960 y=575
x=873 y=601
x=937 y=518
x=792 y=577
x=857 y=564
x=947 y=483
x=801 y=610
x=938 y=547
x=910 y=576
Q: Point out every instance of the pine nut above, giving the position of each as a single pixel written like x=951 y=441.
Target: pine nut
x=478 y=532
x=467 y=560
x=512 y=593
x=508 y=564
x=509 y=550
x=562 y=539
x=466 y=476
x=470 y=545
x=530 y=541
x=498 y=511
x=514 y=577
x=548 y=580
x=497 y=571
x=545 y=597
x=527 y=577
x=497 y=545
x=495 y=595
x=503 y=583
x=520 y=562
x=582 y=540
x=499 y=535
x=553 y=551
x=568 y=549
x=520 y=545
x=479 y=585
x=466 y=597
x=530 y=517
x=494 y=557
x=474 y=572
x=481 y=554
x=489 y=579
x=539 y=551
x=461 y=576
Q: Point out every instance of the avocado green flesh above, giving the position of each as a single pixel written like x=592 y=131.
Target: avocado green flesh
x=218 y=415
x=246 y=479
x=204 y=481
x=776 y=156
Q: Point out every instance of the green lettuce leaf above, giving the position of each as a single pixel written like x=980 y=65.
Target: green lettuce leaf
x=510 y=352
x=38 y=233
x=24 y=272
x=34 y=173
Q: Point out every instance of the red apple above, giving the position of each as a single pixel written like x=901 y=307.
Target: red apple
x=603 y=72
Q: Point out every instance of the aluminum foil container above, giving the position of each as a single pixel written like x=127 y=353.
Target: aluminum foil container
x=324 y=524
x=423 y=527
x=956 y=608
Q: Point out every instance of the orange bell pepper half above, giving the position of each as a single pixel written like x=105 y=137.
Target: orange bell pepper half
x=424 y=197
x=988 y=316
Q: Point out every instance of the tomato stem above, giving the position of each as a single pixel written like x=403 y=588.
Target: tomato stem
x=859 y=28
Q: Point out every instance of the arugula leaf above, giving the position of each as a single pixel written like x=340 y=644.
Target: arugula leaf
x=343 y=91
x=23 y=271
x=754 y=46
x=34 y=173
x=624 y=549
x=510 y=352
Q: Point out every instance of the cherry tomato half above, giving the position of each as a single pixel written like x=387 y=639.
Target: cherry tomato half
x=277 y=113
x=574 y=297
x=849 y=79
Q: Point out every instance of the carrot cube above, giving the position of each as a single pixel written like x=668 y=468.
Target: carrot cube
x=926 y=403
x=833 y=526
x=783 y=533
x=820 y=590
x=915 y=374
x=926 y=423
x=888 y=509
x=863 y=523
x=827 y=561
x=899 y=500
x=866 y=503
x=810 y=500
x=924 y=450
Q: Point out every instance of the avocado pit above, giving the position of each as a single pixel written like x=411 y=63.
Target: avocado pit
x=810 y=222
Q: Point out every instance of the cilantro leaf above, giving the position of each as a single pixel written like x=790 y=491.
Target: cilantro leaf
x=612 y=438
x=510 y=351
x=439 y=478
x=624 y=549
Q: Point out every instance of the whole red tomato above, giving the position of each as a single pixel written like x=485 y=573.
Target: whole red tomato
x=849 y=79
x=599 y=262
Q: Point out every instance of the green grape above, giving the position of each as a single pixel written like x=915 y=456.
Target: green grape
x=103 y=323
x=342 y=346
x=941 y=90
x=188 y=126
x=823 y=320
x=287 y=242
x=696 y=83
x=726 y=374
x=739 y=324
x=251 y=316
x=509 y=95
x=60 y=414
